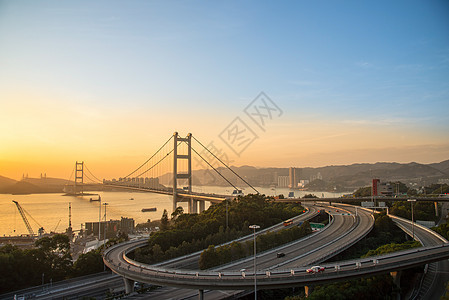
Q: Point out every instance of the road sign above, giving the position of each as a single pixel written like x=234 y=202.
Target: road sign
x=317 y=225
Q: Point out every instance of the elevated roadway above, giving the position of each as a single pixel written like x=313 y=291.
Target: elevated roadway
x=361 y=199
x=433 y=283
x=191 y=261
x=320 y=246
x=181 y=194
x=281 y=278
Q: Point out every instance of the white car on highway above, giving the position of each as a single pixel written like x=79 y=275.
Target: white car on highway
x=315 y=269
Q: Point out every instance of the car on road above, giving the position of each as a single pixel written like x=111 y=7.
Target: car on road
x=280 y=254
x=315 y=269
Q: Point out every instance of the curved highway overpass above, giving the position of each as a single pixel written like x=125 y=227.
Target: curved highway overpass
x=345 y=230
x=433 y=283
x=190 y=261
x=280 y=273
x=281 y=278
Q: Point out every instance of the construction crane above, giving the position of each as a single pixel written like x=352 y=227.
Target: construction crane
x=25 y=219
x=57 y=225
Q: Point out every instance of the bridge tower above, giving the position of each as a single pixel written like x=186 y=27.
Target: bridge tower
x=188 y=175
x=79 y=176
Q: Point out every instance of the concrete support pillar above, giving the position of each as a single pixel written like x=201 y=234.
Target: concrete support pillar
x=396 y=277
x=437 y=213
x=129 y=285
x=397 y=282
x=194 y=206
x=202 y=206
x=308 y=290
x=188 y=175
x=201 y=294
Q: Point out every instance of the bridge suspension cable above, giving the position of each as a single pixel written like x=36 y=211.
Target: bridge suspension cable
x=87 y=169
x=193 y=149
x=225 y=166
x=148 y=160
x=155 y=163
x=71 y=175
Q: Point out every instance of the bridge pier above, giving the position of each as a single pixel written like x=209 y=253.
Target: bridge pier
x=308 y=290
x=397 y=282
x=129 y=285
x=193 y=206
x=202 y=206
x=176 y=175
x=201 y=294
x=437 y=213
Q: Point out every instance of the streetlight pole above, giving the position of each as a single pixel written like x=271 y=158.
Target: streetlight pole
x=254 y=227
x=104 y=232
x=104 y=236
x=99 y=224
x=226 y=214
x=412 y=201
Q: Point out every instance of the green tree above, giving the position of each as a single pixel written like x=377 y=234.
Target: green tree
x=310 y=196
x=178 y=211
x=24 y=268
x=165 y=223
x=363 y=192
x=88 y=263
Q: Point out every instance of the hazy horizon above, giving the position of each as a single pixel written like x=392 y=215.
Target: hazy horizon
x=108 y=82
x=37 y=176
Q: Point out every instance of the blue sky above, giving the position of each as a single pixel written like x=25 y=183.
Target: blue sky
x=347 y=68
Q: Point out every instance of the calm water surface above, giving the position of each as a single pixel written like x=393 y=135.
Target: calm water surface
x=48 y=209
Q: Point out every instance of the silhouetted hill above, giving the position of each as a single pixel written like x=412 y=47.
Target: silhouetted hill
x=5 y=181
x=442 y=166
x=32 y=185
x=21 y=187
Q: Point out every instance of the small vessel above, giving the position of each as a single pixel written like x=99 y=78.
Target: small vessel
x=131 y=198
x=149 y=209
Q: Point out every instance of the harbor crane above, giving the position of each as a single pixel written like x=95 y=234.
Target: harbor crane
x=25 y=220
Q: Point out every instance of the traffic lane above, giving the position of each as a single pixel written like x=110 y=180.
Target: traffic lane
x=425 y=238
x=352 y=234
x=269 y=259
x=95 y=288
x=442 y=267
x=168 y=293
x=190 y=262
x=318 y=247
x=122 y=262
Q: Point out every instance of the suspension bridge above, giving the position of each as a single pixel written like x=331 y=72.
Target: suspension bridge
x=168 y=171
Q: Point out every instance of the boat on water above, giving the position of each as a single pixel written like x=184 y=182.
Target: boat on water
x=131 y=198
x=149 y=209
x=92 y=199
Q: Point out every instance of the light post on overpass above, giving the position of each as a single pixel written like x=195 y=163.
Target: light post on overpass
x=412 y=202
x=254 y=227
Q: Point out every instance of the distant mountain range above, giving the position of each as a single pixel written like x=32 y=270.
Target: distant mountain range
x=332 y=178
x=31 y=185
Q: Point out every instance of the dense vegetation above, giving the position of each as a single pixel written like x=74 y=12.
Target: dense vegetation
x=186 y=233
x=392 y=247
x=443 y=229
x=424 y=211
x=212 y=256
x=20 y=268
x=49 y=260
